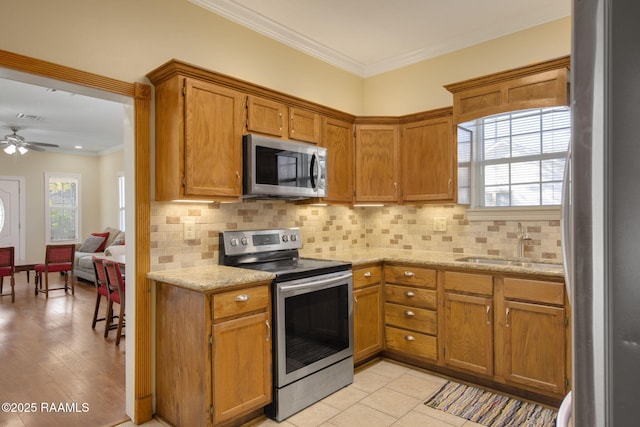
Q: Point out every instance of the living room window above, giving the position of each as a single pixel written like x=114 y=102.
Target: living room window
x=514 y=160
x=62 y=207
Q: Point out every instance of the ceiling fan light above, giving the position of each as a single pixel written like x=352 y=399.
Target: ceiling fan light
x=10 y=149
x=22 y=150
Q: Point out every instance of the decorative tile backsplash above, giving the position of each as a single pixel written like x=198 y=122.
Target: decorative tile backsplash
x=336 y=228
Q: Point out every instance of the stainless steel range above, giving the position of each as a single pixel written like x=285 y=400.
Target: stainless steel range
x=312 y=316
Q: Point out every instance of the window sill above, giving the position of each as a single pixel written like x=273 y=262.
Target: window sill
x=514 y=214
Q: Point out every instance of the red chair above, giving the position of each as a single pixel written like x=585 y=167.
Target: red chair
x=102 y=288
x=8 y=269
x=58 y=258
x=117 y=295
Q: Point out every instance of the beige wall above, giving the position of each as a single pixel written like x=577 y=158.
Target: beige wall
x=32 y=167
x=419 y=87
x=110 y=166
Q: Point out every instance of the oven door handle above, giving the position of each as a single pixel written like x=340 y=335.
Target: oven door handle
x=313 y=284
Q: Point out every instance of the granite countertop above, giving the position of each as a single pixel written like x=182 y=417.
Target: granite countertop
x=215 y=277
x=442 y=259
x=210 y=278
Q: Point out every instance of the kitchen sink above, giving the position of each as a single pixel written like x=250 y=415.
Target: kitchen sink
x=515 y=263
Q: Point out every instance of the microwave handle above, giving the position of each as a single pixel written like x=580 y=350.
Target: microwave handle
x=315 y=179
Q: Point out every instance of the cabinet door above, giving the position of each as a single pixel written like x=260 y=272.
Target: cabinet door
x=241 y=366
x=213 y=135
x=367 y=322
x=266 y=116
x=377 y=163
x=427 y=161
x=338 y=139
x=304 y=125
x=468 y=332
x=534 y=340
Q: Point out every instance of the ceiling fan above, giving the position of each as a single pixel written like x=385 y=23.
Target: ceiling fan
x=16 y=143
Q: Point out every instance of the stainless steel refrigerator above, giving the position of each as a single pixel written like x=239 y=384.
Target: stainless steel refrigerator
x=603 y=227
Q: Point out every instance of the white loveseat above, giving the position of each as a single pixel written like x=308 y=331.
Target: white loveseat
x=83 y=261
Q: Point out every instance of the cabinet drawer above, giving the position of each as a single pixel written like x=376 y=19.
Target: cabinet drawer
x=534 y=290
x=468 y=282
x=413 y=344
x=416 y=319
x=240 y=301
x=366 y=276
x=409 y=275
x=414 y=297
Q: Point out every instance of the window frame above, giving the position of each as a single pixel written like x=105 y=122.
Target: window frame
x=121 y=201
x=476 y=162
x=48 y=208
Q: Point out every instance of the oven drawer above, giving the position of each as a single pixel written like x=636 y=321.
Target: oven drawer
x=366 y=276
x=240 y=301
x=410 y=275
x=415 y=297
x=416 y=319
x=413 y=344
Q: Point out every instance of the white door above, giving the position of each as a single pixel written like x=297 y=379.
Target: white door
x=11 y=214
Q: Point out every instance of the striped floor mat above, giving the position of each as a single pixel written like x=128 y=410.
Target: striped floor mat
x=489 y=409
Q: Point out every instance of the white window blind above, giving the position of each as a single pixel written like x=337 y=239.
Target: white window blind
x=62 y=207
x=514 y=159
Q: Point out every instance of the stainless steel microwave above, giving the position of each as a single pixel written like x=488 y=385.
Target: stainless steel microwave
x=276 y=168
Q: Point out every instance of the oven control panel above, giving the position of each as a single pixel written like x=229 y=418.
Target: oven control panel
x=237 y=242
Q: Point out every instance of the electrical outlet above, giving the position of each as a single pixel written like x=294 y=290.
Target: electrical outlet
x=440 y=224
x=189 y=229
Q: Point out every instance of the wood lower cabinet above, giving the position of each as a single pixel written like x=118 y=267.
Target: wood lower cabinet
x=534 y=333
x=367 y=312
x=411 y=324
x=468 y=322
x=213 y=354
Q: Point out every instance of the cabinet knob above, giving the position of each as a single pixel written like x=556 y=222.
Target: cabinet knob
x=409 y=273
x=410 y=338
x=409 y=313
x=367 y=274
x=242 y=298
x=410 y=294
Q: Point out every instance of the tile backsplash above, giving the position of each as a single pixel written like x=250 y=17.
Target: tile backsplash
x=337 y=228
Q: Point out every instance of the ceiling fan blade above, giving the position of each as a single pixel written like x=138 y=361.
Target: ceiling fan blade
x=31 y=146
x=42 y=144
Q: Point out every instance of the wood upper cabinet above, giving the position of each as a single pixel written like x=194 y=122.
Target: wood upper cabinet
x=468 y=322
x=198 y=140
x=534 y=86
x=304 y=125
x=377 y=163
x=337 y=137
x=428 y=157
x=266 y=116
x=534 y=333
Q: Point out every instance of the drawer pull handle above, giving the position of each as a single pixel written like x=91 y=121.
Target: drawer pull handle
x=409 y=273
x=367 y=274
x=242 y=298
x=410 y=294
x=488 y=311
x=410 y=338
x=508 y=318
x=409 y=313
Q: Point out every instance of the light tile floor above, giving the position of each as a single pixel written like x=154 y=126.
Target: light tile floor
x=382 y=394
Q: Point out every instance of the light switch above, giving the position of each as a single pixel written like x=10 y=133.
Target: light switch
x=440 y=224
x=189 y=229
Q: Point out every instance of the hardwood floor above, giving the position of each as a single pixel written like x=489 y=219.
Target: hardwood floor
x=51 y=358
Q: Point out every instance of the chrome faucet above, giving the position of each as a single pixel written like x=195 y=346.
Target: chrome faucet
x=522 y=236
